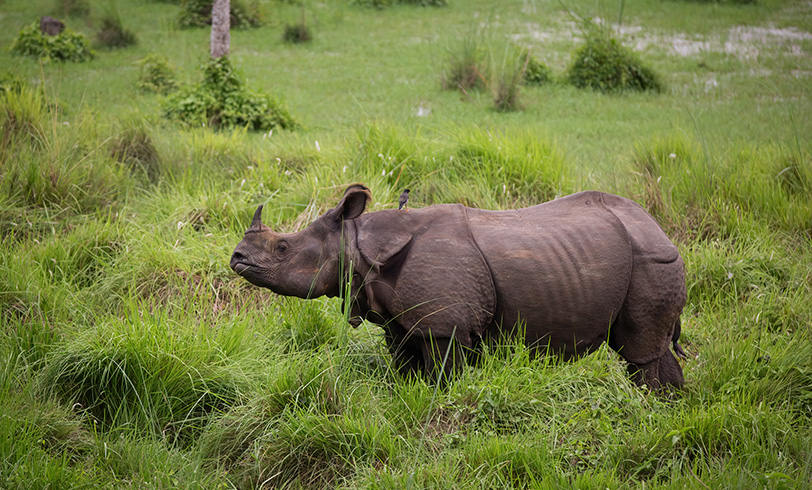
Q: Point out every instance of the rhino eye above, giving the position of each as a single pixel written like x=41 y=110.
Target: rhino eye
x=281 y=247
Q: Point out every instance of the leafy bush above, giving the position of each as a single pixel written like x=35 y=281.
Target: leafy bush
x=535 y=71
x=157 y=75
x=197 y=13
x=67 y=46
x=221 y=100
x=604 y=64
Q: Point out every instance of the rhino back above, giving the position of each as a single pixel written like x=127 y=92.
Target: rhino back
x=561 y=267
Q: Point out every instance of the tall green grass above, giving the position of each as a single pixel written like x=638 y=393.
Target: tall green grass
x=132 y=356
x=688 y=187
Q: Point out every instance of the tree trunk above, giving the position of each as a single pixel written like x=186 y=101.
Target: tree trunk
x=220 y=25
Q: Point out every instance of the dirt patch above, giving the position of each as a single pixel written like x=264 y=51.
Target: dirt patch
x=743 y=42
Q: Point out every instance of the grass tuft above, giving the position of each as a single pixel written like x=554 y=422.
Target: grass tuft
x=133 y=146
x=467 y=64
x=138 y=372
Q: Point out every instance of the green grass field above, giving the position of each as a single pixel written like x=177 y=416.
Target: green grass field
x=132 y=356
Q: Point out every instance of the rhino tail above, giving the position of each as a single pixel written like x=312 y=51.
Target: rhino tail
x=675 y=338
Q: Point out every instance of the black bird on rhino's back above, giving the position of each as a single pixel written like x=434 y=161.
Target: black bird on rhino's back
x=404 y=199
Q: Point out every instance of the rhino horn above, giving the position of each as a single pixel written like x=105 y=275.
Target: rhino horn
x=257 y=221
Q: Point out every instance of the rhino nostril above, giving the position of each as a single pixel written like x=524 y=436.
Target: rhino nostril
x=237 y=261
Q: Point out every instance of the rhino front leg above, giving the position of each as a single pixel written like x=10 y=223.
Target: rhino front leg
x=407 y=357
x=442 y=355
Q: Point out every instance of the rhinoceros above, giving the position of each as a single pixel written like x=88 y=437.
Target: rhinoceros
x=568 y=275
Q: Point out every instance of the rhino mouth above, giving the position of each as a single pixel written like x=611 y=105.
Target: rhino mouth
x=240 y=267
x=239 y=264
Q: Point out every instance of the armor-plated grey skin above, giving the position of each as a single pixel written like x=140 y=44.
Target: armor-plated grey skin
x=568 y=274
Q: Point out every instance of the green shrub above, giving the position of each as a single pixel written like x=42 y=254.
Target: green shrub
x=72 y=8
x=725 y=1
x=388 y=3
x=297 y=33
x=379 y=4
x=221 y=100
x=66 y=46
x=157 y=75
x=604 y=64
x=535 y=71
x=113 y=34
x=197 y=13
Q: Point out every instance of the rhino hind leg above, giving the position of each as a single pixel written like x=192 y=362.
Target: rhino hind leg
x=648 y=323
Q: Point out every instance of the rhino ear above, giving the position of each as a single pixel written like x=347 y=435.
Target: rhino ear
x=380 y=245
x=353 y=203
